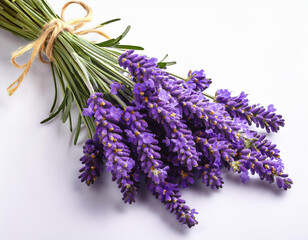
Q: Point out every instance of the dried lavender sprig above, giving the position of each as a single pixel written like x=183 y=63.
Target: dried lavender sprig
x=264 y=146
x=197 y=81
x=161 y=107
x=216 y=154
x=198 y=109
x=282 y=180
x=239 y=107
x=186 y=177
x=269 y=170
x=145 y=143
x=92 y=161
x=128 y=185
x=186 y=96
x=116 y=152
x=180 y=175
x=178 y=136
x=211 y=176
x=168 y=194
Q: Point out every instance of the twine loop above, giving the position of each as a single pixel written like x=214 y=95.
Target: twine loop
x=45 y=42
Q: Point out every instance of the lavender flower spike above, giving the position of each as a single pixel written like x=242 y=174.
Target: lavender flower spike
x=211 y=176
x=92 y=160
x=161 y=107
x=116 y=152
x=115 y=86
x=198 y=109
x=239 y=107
x=146 y=145
x=168 y=194
x=267 y=169
x=197 y=81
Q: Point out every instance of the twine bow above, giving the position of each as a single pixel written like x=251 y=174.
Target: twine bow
x=45 y=42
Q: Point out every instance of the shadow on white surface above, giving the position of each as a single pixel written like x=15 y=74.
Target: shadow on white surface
x=101 y=198
x=254 y=183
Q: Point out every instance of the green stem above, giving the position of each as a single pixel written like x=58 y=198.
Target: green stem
x=70 y=83
x=172 y=74
x=209 y=96
x=32 y=13
x=85 y=77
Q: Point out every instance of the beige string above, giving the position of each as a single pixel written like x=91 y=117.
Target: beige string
x=44 y=44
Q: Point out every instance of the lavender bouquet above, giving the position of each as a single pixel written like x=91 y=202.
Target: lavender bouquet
x=140 y=118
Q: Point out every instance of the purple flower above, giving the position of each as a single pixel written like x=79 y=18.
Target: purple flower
x=198 y=110
x=163 y=95
x=147 y=138
x=265 y=162
x=176 y=133
x=92 y=161
x=186 y=178
x=139 y=88
x=211 y=176
x=115 y=113
x=139 y=66
x=150 y=95
x=115 y=86
x=264 y=147
x=88 y=112
x=115 y=150
x=128 y=185
x=271 y=108
x=222 y=96
x=168 y=194
x=284 y=183
x=239 y=107
x=198 y=81
x=244 y=176
x=144 y=141
x=216 y=153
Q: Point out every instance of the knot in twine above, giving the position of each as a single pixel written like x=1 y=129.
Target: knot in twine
x=45 y=42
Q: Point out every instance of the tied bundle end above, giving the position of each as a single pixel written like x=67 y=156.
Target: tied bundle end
x=45 y=42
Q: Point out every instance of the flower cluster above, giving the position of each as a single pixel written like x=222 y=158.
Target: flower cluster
x=113 y=145
x=143 y=121
x=172 y=134
x=239 y=107
x=198 y=81
x=145 y=144
x=92 y=160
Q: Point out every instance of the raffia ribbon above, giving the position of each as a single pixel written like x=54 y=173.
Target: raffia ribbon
x=44 y=44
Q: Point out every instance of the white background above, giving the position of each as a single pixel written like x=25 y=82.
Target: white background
x=260 y=47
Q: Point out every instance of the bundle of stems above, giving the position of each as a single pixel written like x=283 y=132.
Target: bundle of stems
x=142 y=119
x=79 y=66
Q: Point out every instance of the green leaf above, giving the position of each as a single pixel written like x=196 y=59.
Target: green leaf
x=128 y=47
x=107 y=43
x=70 y=121
x=112 y=42
x=125 y=32
x=161 y=65
x=110 y=21
x=53 y=115
x=163 y=58
x=81 y=52
x=85 y=56
x=170 y=63
x=165 y=64
x=67 y=108
x=77 y=129
x=56 y=90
